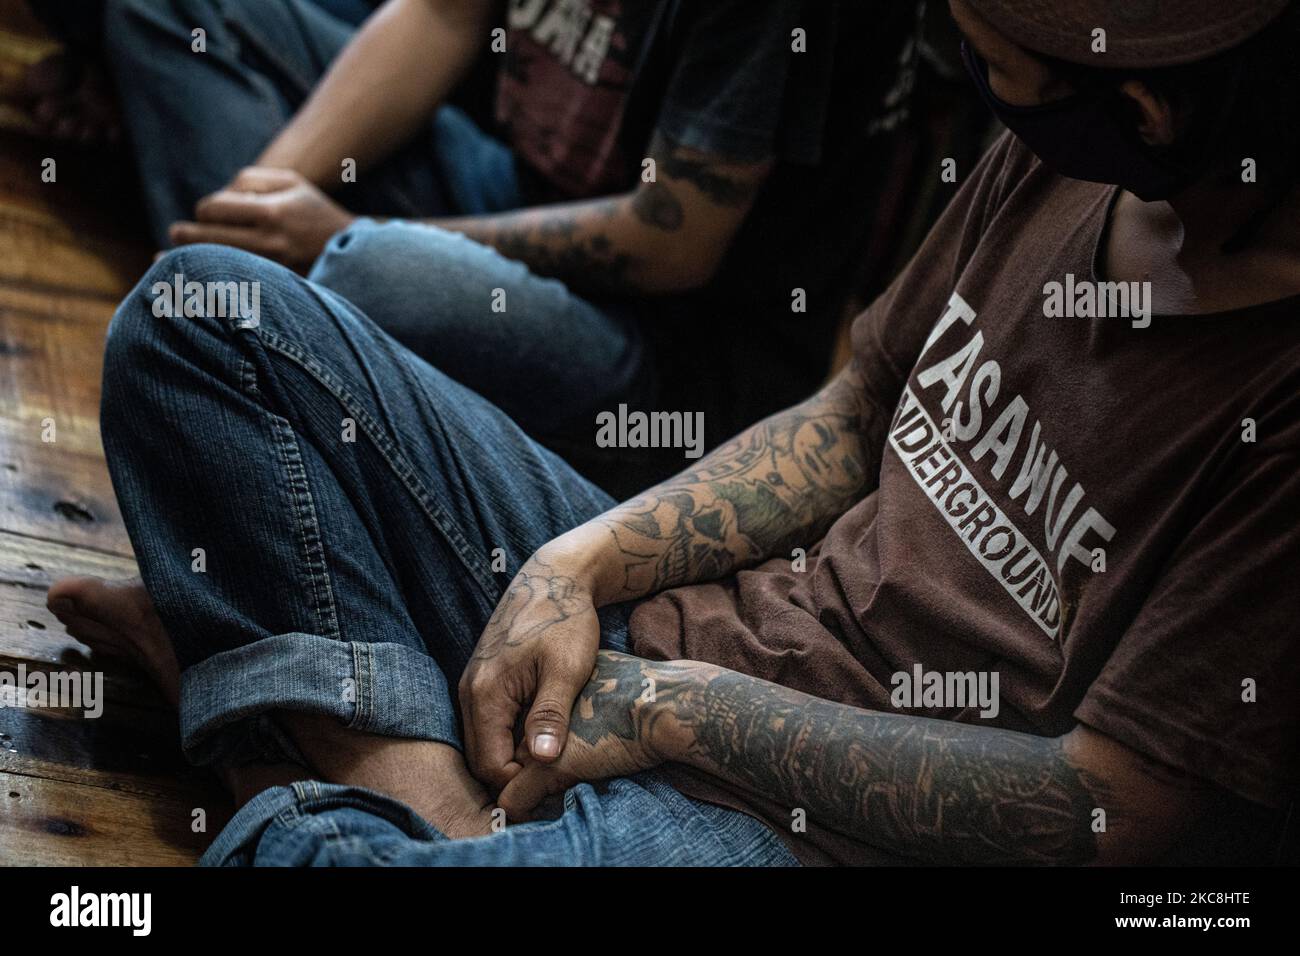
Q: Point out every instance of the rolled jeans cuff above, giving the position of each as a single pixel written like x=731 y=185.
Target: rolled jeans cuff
x=237 y=843
x=386 y=689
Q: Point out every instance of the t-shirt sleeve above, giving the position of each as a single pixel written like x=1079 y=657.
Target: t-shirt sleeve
x=1207 y=679
x=887 y=338
x=727 y=92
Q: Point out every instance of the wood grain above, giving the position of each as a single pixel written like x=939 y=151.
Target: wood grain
x=113 y=787
x=55 y=491
x=46 y=822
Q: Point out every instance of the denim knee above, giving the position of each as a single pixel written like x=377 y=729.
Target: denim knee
x=153 y=324
x=371 y=264
x=156 y=301
x=366 y=256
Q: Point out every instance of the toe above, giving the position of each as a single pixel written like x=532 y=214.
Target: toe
x=92 y=599
x=96 y=636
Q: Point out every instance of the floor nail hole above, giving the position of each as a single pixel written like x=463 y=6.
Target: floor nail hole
x=77 y=514
x=62 y=827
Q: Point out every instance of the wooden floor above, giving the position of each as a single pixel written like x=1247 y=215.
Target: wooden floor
x=113 y=790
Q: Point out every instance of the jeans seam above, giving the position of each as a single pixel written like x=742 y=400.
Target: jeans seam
x=361 y=667
x=304 y=511
x=396 y=461
x=248 y=377
x=304 y=508
x=310 y=795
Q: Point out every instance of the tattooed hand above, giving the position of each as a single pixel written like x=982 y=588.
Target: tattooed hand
x=538 y=648
x=623 y=722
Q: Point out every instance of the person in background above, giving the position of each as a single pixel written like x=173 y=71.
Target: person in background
x=642 y=217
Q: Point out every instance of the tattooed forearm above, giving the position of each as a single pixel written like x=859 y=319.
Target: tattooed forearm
x=628 y=698
x=715 y=179
x=666 y=235
x=655 y=205
x=928 y=789
x=578 y=242
x=659 y=202
x=779 y=484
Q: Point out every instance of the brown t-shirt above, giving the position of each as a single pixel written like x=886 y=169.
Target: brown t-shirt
x=1021 y=454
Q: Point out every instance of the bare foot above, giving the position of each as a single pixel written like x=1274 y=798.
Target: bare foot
x=117 y=619
x=72 y=100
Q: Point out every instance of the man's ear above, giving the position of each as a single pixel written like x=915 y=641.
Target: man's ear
x=1156 y=122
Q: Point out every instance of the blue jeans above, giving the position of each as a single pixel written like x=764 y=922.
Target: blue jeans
x=317 y=513
x=551 y=359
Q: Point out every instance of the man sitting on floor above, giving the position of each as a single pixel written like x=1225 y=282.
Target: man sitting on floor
x=668 y=161
x=1090 y=513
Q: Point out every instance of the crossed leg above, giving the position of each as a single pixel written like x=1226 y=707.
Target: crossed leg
x=316 y=513
x=117 y=619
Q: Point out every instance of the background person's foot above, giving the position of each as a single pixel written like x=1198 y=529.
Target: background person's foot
x=117 y=619
x=72 y=100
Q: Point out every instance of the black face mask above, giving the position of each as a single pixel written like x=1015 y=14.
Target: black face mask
x=1085 y=137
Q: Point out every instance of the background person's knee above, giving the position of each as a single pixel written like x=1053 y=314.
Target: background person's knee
x=418 y=283
x=362 y=261
x=392 y=264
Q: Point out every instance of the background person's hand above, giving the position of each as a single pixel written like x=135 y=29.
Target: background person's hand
x=275 y=213
x=536 y=652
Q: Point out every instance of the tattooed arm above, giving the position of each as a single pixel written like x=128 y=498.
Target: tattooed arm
x=932 y=790
x=666 y=236
x=779 y=484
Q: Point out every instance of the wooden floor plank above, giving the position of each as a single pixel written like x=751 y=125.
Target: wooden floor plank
x=38 y=564
x=84 y=232
x=22 y=43
x=103 y=742
x=41 y=255
x=51 y=369
x=57 y=306
x=49 y=490
x=56 y=823
x=17 y=16
x=74 y=789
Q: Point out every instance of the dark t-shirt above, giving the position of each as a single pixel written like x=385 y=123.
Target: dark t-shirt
x=805 y=84
x=563 y=90
x=1014 y=449
x=585 y=81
